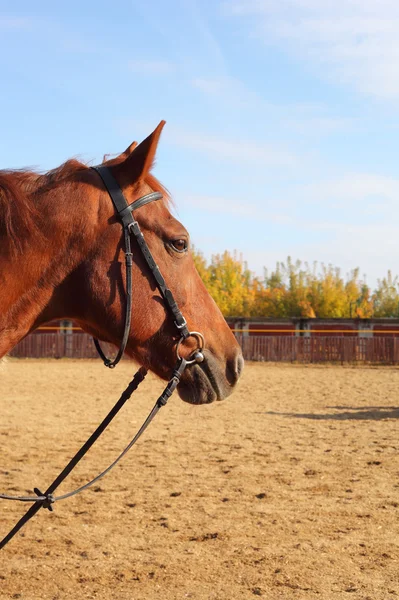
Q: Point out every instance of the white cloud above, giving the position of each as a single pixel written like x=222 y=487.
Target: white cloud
x=353 y=42
x=221 y=148
x=186 y=34
x=353 y=194
x=374 y=249
x=238 y=208
x=355 y=224
x=318 y=125
x=236 y=150
x=313 y=120
x=363 y=192
x=365 y=248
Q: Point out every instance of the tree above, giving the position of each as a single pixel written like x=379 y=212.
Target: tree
x=386 y=298
x=293 y=289
x=230 y=283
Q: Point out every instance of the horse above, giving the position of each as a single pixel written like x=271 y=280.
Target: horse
x=60 y=258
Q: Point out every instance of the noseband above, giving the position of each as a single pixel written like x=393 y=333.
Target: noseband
x=124 y=212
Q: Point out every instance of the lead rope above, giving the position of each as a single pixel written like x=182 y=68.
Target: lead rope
x=47 y=499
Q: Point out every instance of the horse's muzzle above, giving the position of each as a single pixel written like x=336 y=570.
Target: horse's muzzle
x=212 y=379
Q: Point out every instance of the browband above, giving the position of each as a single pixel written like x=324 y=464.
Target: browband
x=123 y=209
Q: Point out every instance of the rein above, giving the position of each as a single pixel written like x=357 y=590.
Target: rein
x=130 y=227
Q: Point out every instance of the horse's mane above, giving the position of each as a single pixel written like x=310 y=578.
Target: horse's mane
x=19 y=216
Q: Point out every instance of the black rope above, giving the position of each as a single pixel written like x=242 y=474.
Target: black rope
x=46 y=499
x=133 y=385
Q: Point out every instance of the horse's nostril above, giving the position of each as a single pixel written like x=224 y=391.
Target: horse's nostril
x=239 y=365
x=234 y=368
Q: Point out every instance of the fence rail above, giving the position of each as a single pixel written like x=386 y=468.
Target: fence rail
x=59 y=345
x=334 y=349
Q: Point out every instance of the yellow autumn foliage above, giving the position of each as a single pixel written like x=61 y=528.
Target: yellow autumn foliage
x=294 y=289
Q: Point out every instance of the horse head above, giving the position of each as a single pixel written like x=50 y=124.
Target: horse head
x=86 y=280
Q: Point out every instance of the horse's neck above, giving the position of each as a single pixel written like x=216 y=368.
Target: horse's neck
x=27 y=290
x=30 y=278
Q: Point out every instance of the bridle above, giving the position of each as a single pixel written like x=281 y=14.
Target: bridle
x=131 y=227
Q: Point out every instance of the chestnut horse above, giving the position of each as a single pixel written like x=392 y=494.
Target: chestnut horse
x=61 y=248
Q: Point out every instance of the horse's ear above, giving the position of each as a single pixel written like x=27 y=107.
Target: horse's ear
x=139 y=162
x=129 y=150
x=121 y=157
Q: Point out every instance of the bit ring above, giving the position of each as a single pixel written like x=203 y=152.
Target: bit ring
x=196 y=354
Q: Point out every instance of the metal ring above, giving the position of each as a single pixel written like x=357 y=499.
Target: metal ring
x=201 y=345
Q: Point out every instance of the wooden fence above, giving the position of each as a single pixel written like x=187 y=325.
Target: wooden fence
x=59 y=345
x=381 y=350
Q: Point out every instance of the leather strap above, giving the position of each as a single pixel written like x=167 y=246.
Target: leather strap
x=130 y=225
x=123 y=209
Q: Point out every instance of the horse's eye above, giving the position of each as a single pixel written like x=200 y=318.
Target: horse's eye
x=179 y=245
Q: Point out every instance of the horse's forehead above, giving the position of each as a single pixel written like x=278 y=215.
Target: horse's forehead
x=157 y=216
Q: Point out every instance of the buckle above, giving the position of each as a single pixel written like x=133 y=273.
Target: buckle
x=184 y=324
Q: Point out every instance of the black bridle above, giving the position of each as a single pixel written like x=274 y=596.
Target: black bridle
x=130 y=227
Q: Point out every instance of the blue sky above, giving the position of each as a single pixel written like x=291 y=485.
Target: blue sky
x=282 y=132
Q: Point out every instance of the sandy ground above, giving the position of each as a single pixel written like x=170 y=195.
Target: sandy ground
x=289 y=489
